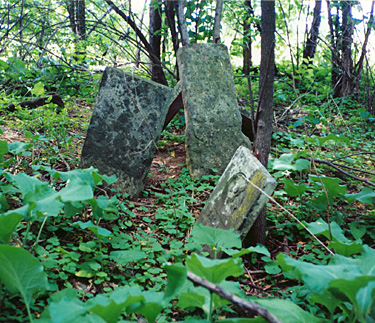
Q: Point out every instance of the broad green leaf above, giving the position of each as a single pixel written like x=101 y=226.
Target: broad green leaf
x=18 y=147
x=110 y=307
x=259 y=248
x=258 y=319
x=339 y=243
x=127 y=256
x=367 y=195
x=9 y=221
x=348 y=290
x=286 y=311
x=357 y=230
x=216 y=270
x=284 y=162
x=3 y=149
x=176 y=275
x=302 y=164
x=150 y=307
x=218 y=238
x=38 y=89
x=322 y=140
x=365 y=298
x=21 y=272
x=365 y=261
x=194 y=297
x=331 y=186
x=293 y=189
x=99 y=232
x=76 y=190
x=317 y=277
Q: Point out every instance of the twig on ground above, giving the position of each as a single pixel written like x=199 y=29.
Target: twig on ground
x=233 y=298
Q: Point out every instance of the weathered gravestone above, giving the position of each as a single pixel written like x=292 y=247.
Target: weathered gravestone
x=125 y=126
x=213 y=121
x=235 y=203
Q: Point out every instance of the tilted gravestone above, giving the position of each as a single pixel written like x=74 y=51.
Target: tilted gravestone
x=235 y=203
x=213 y=121
x=125 y=126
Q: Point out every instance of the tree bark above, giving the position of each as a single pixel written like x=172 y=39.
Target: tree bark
x=346 y=84
x=262 y=143
x=218 y=14
x=155 y=42
x=81 y=19
x=182 y=26
x=312 y=38
x=170 y=15
x=247 y=55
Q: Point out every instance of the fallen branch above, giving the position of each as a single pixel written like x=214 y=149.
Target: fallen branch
x=233 y=298
x=38 y=102
x=337 y=167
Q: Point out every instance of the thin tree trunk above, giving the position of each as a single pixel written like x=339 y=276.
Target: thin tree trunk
x=155 y=42
x=312 y=38
x=359 y=65
x=262 y=143
x=81 y=19
x=347 y=40
x=170 y=15
x=182 y=26
x=138 y=53
x=247 y=39
x=141 y=37
x=218 y=14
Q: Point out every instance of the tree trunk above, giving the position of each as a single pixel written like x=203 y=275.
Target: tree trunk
x=346 y=84
x=182 y=26
x=218 y=14
x=170 y=15
x=155 y=42
x=262 y=143
x=312 y=37
x=247 y=39
x=81 y=19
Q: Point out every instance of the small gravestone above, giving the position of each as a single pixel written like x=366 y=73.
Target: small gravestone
x=235 y=203
x=125 y=127
x=213 y=121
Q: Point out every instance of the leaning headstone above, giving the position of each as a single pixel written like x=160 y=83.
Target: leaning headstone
x=125 y=126
x=213 y=121
x=235 y=203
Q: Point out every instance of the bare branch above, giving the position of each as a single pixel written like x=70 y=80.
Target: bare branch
x=253 y=307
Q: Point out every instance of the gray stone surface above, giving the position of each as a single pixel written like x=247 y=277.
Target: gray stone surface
x=127 y=120
x=235 y=203
x=213 y=121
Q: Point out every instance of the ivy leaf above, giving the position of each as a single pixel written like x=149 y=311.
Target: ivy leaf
x=21 y=272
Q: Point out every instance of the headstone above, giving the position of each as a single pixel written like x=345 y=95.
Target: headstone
x=125 y=127
x=213 y=121
x=235 y=203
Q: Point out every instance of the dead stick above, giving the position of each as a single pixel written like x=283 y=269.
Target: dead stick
x=334 y=165
x=233 y=298
x=321 y=161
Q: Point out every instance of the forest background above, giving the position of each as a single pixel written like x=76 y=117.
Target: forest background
x=71 y=250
